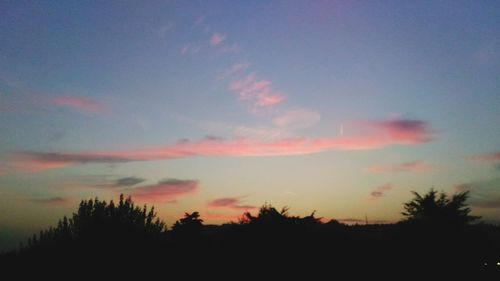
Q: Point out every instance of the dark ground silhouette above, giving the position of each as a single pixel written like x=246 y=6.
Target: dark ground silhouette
x=437 y=237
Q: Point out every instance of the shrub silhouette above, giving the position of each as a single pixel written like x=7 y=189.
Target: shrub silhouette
x=188 y=227
x=97 y=223
x=270 y=216
x=435 y=208
x=126 y=236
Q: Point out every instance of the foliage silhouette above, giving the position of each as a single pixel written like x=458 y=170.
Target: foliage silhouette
x=438 y=209
x=100 y=224
x=124 y=236
x=190 y=223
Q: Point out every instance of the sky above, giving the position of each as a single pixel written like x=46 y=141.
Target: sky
x=338 y=107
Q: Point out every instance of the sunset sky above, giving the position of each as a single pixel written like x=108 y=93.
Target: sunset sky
x=342 y=107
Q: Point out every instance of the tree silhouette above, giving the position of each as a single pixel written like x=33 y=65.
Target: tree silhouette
x=191 y=223
x=438 y=209
x=268 y=215
x=99 y=223
x=123 y=235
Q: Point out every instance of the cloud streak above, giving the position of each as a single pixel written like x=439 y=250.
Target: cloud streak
x=483 y=194
x=413 y=166
x=380 y=191
x=235 y=68
x=259 y=92
x=217 y=39
x=165 y=191
x=50 y=201
x=230 y=203
x=128 y=181
x=493 y=157
x=81 y=104
x=376 y=136
x=297 y=119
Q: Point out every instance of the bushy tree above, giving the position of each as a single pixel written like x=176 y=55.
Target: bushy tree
x=438 y=209
x=191 y=223
x=99 y=221
x=268 y=215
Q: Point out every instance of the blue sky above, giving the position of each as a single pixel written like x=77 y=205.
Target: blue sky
x=337 y=106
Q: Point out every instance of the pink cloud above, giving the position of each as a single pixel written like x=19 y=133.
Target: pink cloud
x=413 y=166
x=380 y=191
x=231 y=203
x=376 y=136
x=235 y=68
x=404 y=130
x=34 y=163
x=40 y=161
x=79 y=103
x=297 y=119
x=216 y=39
x=164 y=191
x=493 y=157
x=259 y=92
x=265 y=99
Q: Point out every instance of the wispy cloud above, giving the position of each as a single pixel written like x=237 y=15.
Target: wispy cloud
x=413 y=166
x=263 y=133
x=260 y=133
x=39 y=161
x=259 y=92
x=234 y=69
x=217 y=39
x=405 y=130
x=185 y=49
x=493 y=157
x=164 y=191
x=189 y=49
x=380 y=191
x=483 y=194
x=231 y=203
x=100 y=181
x=128 y=181
x=200 y=20
x=377 y=135
x=50 y=201
x=120 y=182
x=162 y=31
x=297 y=119
x=82 y=104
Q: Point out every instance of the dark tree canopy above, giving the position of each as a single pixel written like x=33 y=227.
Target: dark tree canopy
x=268 y=215
x=98 y=220
x=190 y=223
x=126 y=236
x=439 y=209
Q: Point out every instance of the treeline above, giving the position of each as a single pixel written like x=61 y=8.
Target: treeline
x=437 y=234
